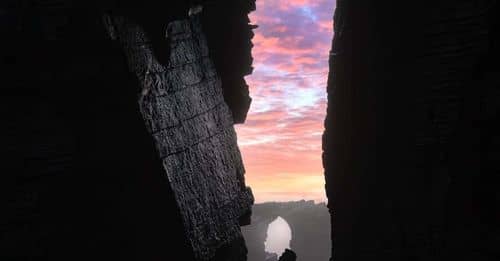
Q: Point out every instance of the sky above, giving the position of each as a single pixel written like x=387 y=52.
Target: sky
x=280 y=141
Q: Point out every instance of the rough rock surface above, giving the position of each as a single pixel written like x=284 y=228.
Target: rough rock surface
x=410 y=145
x=229 y=33
x=184 y=110
x=81 y=176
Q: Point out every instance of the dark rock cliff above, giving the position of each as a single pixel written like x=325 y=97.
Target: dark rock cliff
x=411 y=144
x=182 y=104
x=82 y=177
x=229 y=35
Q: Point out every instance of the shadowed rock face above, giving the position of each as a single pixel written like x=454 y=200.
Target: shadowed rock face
x=288 y=255
x=229 y=34
x=183 y=107
x=410 y=145
x=83 y=177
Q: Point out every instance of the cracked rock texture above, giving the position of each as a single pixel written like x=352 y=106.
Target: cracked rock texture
x=110 y=155
x=183 y=107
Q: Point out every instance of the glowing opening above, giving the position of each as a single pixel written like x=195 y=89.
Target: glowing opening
x=279 y=235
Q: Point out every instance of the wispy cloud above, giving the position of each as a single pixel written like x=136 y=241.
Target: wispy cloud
x=281 y=140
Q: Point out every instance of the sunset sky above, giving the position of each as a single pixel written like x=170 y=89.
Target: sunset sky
x=281 y=139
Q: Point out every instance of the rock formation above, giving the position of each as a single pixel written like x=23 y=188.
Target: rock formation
x=119 y=147
x=183 y=107
x=411 y=144
x=229 y=33
x=288 y=255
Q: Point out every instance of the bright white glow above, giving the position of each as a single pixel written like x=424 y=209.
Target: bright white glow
x=278 y=237
x=298 y=98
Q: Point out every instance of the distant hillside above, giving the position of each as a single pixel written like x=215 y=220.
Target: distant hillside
x=310 y=224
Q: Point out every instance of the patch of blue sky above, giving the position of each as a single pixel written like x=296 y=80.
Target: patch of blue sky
x=308 y=12
x=300 y=97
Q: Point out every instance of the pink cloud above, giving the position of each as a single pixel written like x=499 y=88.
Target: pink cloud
x=281 y=140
